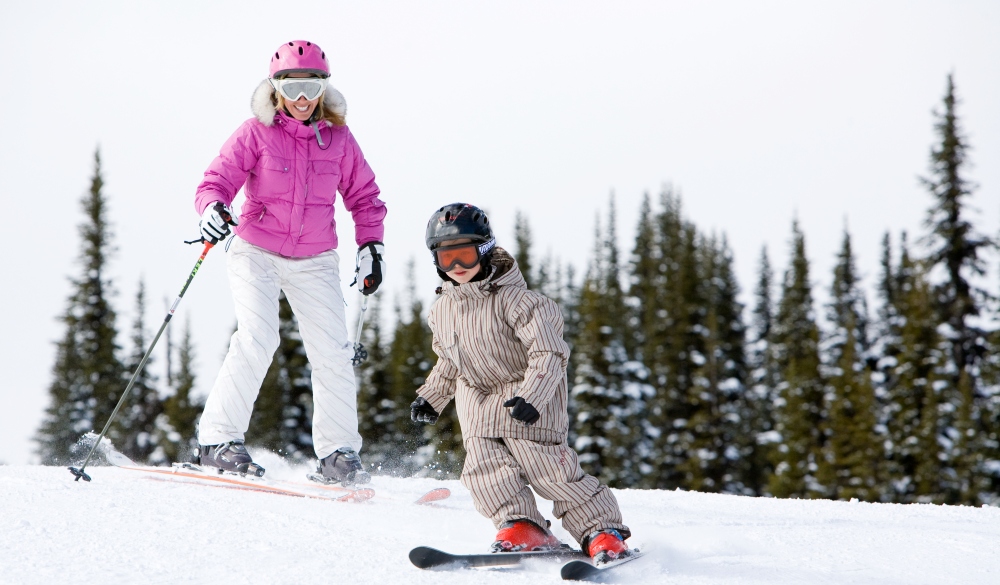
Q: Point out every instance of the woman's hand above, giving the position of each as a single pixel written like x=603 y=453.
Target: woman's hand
x=215 y=222
x=370 y=267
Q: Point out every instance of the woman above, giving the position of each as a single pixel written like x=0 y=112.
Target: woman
x=291 y=158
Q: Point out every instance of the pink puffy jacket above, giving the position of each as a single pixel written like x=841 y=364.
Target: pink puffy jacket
x=291 y=182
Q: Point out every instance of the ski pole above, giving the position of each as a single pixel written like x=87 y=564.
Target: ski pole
x=360 y=353
x=79 y=473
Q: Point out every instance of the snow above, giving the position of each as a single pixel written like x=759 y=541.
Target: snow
x=126 y=528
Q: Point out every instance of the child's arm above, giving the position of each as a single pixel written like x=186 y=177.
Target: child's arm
x=439 y=387
x=538 y=324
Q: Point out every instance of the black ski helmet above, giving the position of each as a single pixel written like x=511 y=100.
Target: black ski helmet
x=460 y=221
x=457 y=221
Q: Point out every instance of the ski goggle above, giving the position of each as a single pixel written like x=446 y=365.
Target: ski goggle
x=464 y=255
x=294 y=87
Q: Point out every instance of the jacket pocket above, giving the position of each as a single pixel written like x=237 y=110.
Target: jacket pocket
x=324 y=178
x=273 y=177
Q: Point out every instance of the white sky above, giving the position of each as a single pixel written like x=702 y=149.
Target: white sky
x=757 y=112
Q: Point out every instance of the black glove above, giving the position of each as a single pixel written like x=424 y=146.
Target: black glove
x=522 y=411
x=422 y=411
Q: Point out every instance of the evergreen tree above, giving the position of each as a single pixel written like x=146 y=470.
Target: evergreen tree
x=671 y=343
x=522 y=241
x=758 y=423
x=851 y=467
x=645 y=282
x=178 y=422
x=911 y=363
x=956 y=253
x=799 y=416
x=607 y=390
x=718 y=451
x=134 y=431
x=411 y=358
x=87 y=376
x=381 y=420
x=282 y=414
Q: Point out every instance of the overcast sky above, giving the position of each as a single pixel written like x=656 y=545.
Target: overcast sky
x=757 y=112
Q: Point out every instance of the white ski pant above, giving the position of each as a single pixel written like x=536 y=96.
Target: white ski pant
x=312 y=287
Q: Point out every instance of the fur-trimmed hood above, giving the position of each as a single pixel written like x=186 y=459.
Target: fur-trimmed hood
x=263 y=108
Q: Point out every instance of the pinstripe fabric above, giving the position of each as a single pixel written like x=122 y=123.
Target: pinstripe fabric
x=496 y=339
x=493 y=346
x=312 y=286
x=498 y=472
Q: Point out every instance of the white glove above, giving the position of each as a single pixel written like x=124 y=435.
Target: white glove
x=215 y=222
x=370 y=267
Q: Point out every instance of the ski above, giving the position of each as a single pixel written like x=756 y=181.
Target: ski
x=320 y=482
x=435 y=495
x=586 y=570
x=194 y=474
x=425 y=557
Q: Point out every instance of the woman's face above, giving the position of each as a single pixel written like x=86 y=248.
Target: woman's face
x=302 y=109
x=460 y=274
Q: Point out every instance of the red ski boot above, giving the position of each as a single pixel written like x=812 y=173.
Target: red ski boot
x=606 y=545
x=523 y=535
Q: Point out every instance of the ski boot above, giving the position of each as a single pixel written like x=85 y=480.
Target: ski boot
x=231 y=456
x=523 y=535
x=343 y=466
x=605 y=546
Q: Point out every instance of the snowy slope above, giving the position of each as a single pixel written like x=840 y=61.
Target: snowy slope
x=126 y=528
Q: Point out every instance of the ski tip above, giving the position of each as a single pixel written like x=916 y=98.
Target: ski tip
x=356 y=496
x=425 y=557
x=435 y=495
x=118 y=460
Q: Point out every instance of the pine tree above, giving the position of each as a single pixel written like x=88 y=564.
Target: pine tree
x=282 y=414
x=851 y=466
x=956 y=251
x=758 y=423
x=178 y=422
x=607 y=391
x=716 y=398
x=411 y=358
x=911 y=365
x=645 y=282
x=799 y=416
x=956 y=248
x=379 y=415
x=670 y=321
x=522 y=254
x=134 y=431
x=87 y=376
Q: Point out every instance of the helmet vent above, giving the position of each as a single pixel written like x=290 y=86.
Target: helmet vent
x=291 y=44
x=448 y=216
x=300 y=50
x=308 y=44
x=277 y=56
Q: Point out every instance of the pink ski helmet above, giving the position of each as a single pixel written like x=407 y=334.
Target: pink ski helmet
x=299 y=57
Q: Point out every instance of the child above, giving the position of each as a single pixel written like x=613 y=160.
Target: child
x=502 y=357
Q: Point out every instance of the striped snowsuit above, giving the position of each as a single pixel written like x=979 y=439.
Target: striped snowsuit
x=495 y=339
